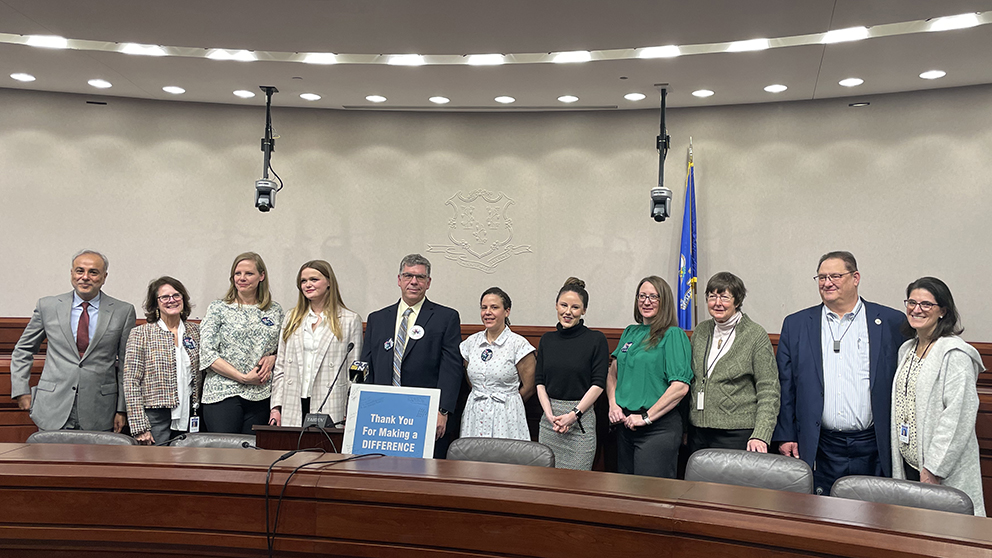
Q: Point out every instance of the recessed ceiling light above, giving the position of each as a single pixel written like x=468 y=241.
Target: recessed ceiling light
x=321 y=58
x=48 y=41
x=22 y=77
x=859 y=104
x=100 y=83
x=845 y=35
x=634 y=96
x=239 y=55
x=143 y=50
x=572 y=57
x=702 y=93
x=960 y=21
x=406 y=60
x=438 y=100
x=173 y=89
x=244 y=94
x=568 y=98
x=668 y=51
x=310 y=96
x=376 y=98
x=485 y=59
x=744 y=46
x=851 y=82
x=933 y=74
x=504 y=99
x=776 y=88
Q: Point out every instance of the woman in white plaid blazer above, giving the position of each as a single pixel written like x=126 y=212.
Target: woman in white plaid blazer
x=162 y=364
x=313 y=344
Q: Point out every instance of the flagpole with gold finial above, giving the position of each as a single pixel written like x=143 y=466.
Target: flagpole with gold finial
x=695 y=310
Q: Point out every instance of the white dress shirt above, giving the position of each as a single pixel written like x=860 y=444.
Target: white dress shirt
x=184 y=380
x=77 y=311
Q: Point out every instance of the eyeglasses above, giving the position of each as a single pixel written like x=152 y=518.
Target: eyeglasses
x=410 y=277
x=167 y=298
x=924 y=305
x=834 y=277
x=713 y=297
x=641 y=297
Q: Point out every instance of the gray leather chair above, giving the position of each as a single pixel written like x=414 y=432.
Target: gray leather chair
x=501 y=450
x=748 y=468
x=903 y=493
x=214 y=440
x=81 y=437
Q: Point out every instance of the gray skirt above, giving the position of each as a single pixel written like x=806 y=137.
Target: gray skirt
x=573 y=449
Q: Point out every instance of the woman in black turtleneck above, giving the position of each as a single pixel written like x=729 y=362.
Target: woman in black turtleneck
x=572 y=363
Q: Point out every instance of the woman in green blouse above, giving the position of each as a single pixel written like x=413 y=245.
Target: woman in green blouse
x=649 y=376
x=735 y=392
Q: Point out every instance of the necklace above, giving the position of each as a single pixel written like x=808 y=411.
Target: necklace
x=849 y=324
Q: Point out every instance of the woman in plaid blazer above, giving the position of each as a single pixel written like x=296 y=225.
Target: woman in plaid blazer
x=312 y=347
x=161 y=366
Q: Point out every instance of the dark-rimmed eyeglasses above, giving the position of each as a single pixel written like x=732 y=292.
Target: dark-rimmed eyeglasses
x=924 y=305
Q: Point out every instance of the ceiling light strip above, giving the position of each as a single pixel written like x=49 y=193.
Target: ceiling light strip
x=645 y=51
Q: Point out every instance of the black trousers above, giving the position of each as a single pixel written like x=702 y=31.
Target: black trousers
x=705 y=438
x=652 y=450
x=844 y=453
x=235 y=415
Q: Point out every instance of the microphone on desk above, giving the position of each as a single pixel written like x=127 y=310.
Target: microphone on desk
x=319 y=419
x=169 y=441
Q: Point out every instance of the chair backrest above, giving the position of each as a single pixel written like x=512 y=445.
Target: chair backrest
x=214 y=440
x=81 y=437
x=749 y=468
x=501 y=450
x=903 y=492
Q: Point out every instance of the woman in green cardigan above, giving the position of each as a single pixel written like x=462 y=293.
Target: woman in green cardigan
x=735 y=391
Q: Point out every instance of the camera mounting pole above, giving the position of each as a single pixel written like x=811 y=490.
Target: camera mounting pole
x=268 y=142
x=664 y=141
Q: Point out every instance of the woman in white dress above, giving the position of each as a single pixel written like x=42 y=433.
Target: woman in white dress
x=500 y=367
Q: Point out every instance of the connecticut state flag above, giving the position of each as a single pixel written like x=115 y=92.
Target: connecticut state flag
x=687 y=255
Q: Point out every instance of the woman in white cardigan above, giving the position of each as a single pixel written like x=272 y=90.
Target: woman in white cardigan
x=934 y=396
x=313 y=344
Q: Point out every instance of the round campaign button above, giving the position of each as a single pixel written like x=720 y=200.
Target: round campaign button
x=487 y=354
x=417 y=332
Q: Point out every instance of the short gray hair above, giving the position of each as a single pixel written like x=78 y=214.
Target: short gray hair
x=106 y=262
x=411 y=260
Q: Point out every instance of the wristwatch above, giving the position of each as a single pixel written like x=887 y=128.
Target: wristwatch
x=444 y=412
x=578 y=413
x=644 y=416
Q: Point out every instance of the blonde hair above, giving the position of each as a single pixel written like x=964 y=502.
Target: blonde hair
x=262 y=296
x=332 y=301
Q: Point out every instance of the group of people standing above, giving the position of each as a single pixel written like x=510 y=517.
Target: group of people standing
x=854 y=388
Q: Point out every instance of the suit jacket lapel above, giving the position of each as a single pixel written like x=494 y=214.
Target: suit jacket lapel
x=813 y=334
x=426 y=312
x=102 y=322
x=323 y=342
x=875 y=340
x=63 y=310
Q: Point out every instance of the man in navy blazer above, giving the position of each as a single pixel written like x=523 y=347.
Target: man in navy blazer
x=836 y=363
x=424 y=343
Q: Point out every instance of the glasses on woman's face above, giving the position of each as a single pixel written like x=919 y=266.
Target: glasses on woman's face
x=924 y=305
x=167 y=298
x=641 y=297
x=724 y=298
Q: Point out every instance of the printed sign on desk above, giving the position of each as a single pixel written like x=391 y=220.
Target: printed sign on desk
x=398 y=421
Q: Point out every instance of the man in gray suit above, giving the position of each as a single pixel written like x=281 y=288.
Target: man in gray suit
x=81 y=385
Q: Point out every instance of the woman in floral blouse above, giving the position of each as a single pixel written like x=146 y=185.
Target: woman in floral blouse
x=239 y=337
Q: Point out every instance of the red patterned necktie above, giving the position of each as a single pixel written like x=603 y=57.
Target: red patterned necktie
x=83 y=330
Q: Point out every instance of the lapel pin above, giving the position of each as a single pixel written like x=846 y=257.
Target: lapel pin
x=878 y=321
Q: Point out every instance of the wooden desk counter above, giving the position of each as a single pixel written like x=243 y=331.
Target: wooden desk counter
x=61 y=500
